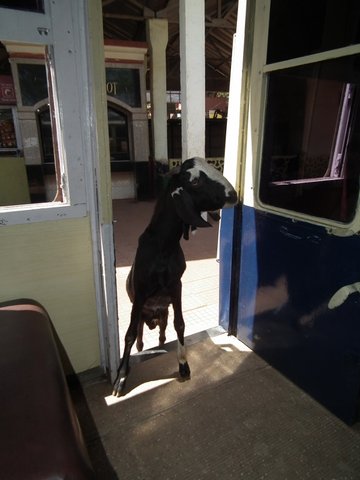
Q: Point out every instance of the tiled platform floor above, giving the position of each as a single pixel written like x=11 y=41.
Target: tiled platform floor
x=200 y=280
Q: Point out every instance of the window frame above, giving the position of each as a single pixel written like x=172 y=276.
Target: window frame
x=113 y=123
x=42 y=29
x=123 y=65
x=259 y=73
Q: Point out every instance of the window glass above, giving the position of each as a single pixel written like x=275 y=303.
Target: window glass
x=33 y=83
x=8 y=141
x=311 y=147
x=118 y=136
x=124 y=84
x=46 y=135
x=299 y=28
x=29 y=5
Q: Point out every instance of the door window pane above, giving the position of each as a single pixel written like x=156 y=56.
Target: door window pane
x=8 y=139
x=46 y=135
x=124 y=84
x=29 y=5
x=118 y=135
x=33 y=83
x=299 y=28
x=311 y=149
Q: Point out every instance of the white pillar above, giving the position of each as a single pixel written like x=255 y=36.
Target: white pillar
x=157 y=34
x=192 y=76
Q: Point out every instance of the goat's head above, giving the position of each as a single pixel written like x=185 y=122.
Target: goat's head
x=198 y=187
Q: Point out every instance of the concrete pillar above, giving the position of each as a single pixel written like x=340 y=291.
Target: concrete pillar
x=192 y=76
x=157 y=34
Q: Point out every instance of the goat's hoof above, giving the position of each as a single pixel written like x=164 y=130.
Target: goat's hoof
x=184 y=371
x=119 y=385
x=139 y=346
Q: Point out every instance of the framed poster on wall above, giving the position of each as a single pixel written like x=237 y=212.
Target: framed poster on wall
x=9 y=137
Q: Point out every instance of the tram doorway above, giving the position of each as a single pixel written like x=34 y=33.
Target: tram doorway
x=200 y=280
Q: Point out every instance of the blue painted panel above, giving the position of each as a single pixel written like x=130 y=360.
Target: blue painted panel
x=289 y=272
x=226 y=263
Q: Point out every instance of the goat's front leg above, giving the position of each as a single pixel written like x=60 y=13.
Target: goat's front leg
x=179 y=324
x=130 y=338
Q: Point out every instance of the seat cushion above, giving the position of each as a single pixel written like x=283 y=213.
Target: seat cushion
x=40 y=437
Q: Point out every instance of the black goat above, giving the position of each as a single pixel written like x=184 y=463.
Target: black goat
x=154 y=280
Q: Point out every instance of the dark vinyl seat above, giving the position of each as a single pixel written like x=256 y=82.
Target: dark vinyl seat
x=40 y=436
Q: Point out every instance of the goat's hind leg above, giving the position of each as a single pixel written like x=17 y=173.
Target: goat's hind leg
x=130 y=338
x=163 y=320
x=124 y=368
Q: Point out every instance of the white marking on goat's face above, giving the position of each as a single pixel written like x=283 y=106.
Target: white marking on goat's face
x=201 y=165
x=177 y=191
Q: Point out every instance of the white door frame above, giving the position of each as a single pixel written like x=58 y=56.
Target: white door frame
x=73 y=32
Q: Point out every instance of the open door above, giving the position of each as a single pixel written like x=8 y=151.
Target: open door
x=69 y=36
x=294 y=263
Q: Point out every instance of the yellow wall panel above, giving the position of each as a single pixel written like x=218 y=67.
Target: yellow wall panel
x=14 y=189
x=51 y=262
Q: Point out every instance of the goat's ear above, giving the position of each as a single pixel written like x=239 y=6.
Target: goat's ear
x=185 y=209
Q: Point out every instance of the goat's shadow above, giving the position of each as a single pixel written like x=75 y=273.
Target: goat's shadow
x=140 y=376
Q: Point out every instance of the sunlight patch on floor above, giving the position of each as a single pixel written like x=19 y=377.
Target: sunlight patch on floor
x=145 y=387
x=225 y=342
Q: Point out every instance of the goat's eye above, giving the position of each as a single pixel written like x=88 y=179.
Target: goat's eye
x=195 y=182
